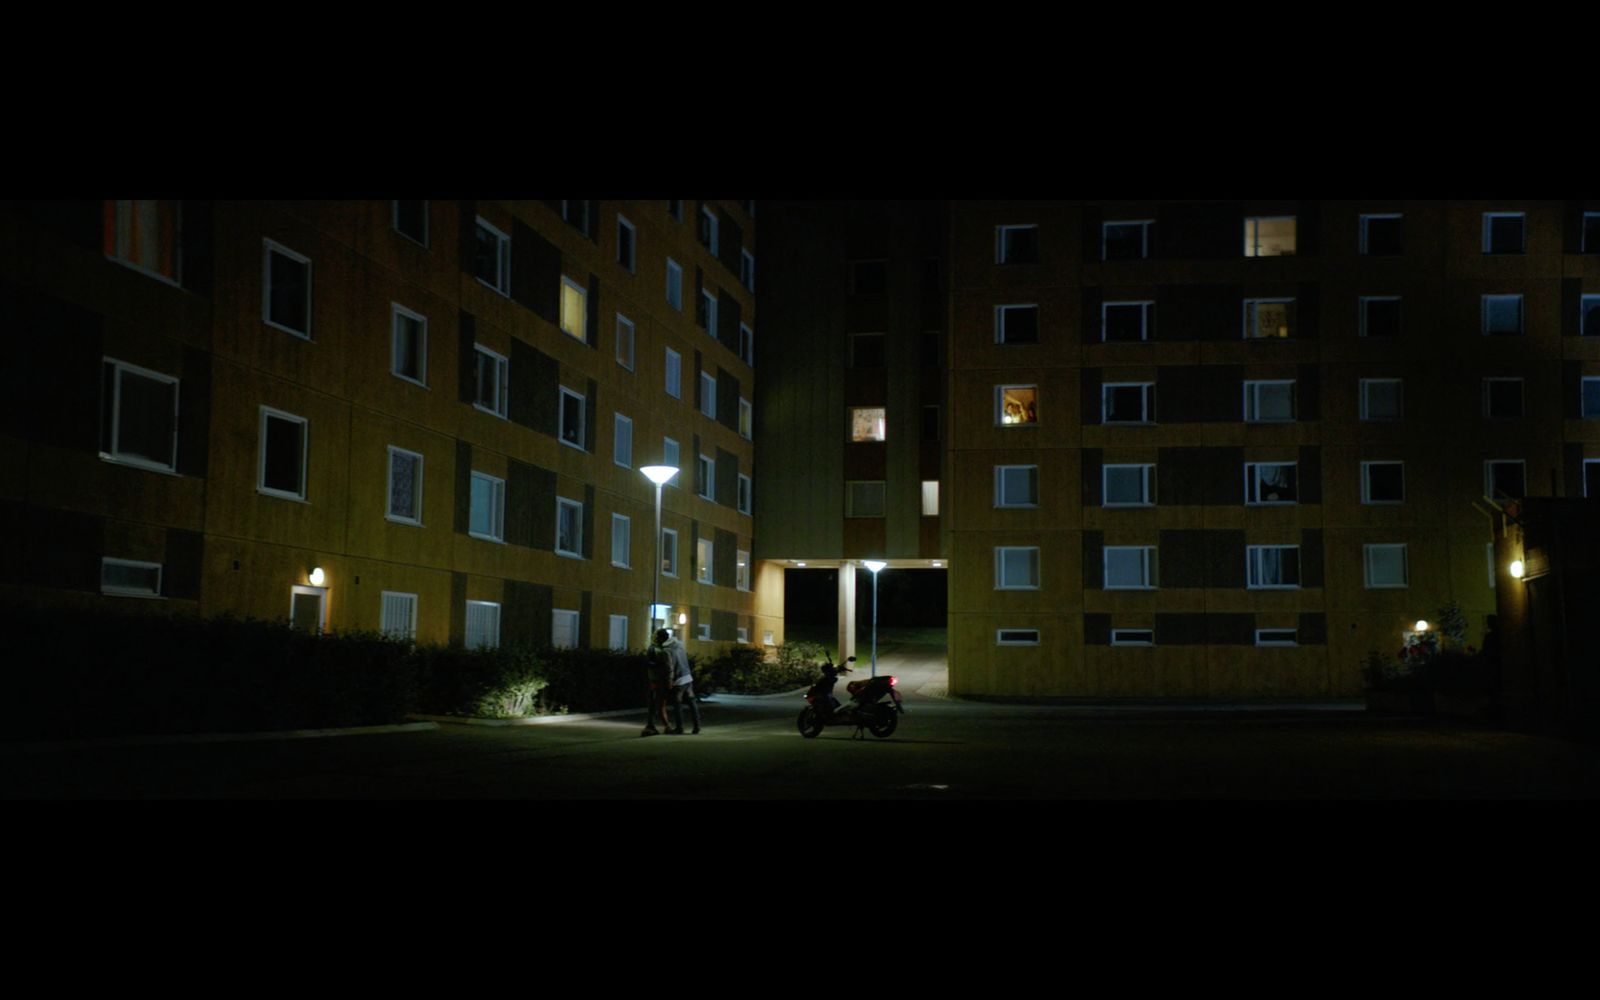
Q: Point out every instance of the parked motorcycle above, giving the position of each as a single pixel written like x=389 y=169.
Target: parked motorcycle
x=874 y=704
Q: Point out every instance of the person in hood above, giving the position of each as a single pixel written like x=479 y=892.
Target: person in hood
x=681 y=679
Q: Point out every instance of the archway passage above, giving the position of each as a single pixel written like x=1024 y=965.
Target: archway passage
x=832 y=606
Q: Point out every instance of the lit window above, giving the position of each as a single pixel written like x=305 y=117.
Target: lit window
x=621 y=539
x=1277 y=637
x=1016 y=486
x=1382 y=399
x=574 y=309
x=1016 y=324
x=1016 y=637
x=571 y=429
x=564 y=627
x=1271 y=483
x=491 y=377
x=1269 y=236
x=622 y=441
x=398 y=615
x=1502 y=315
x=146 y=236
x=1016 y=568
x=746 y=420
x=411 y=220
x=1590 y=401
x=1385 y=565
x=569 y=527
x=618 y=634
x=864 y=499
x=1127 y=402
x=674 y=284
x=1125 y=321
x=704 y=565
x=1589 y=316
x=138 y=416
x=1502 y=397
x=1380 y=316
x=405 y=486
x=1268 y=318
x=747 y=271
x=1383 y=482
x=282 y=469
x=129 y=578
x=1272 y=567
x=1016 y=404
x=741 y=571
x=1505 y=478
x=705 y=314
x=1125 y=240
x=491 y=257
x=1503 y=232
x=1127 y=485
x=1133 y=637
x=625 y=342
x=707 y=231
x=744 y=493
x=626 y=237
x=408 y=357
x=706 y=478
x=286 y=290
x=674 y=366
x=1016 y=244
x=1130 y=567
x=930 y=498
x=708 y=395
x=487 y=514
x=1268 y=402
x=483 y=625
x=669 y=552
x=867 y=423
x=1382 y=235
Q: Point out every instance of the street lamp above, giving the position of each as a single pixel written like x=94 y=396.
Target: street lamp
x=874 y=565
x=658 y=474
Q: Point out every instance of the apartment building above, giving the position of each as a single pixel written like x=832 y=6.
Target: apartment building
x=421 y=417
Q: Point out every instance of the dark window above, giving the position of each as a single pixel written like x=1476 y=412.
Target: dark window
x=1502 y=397
x=1386 y=482
x=289 y=292
x=1502 y=233
x=930 y=423
x=867 y=350
x=411 y=219
x=624 y=244
x=1125 y=241
x=139 y=417
x=1125 y=403
x=1506 y=478
x=1125 y=321
x=577 y=215
x=1382 y=235
x=1590 y=242
x=1502 y=315
x=283 y=455
x=869 y=277
x=675 y=209
x=1018 y=245
x=1589 y=316
x=1017 y=325
x=572 y=419
x=1591 y=479
x=1380 y=317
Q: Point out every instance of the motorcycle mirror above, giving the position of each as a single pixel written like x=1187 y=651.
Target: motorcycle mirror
x=850 y=659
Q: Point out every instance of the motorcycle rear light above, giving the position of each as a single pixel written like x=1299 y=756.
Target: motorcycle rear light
x=893 y=682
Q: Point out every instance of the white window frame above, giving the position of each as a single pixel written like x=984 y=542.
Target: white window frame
x=1147 y=486
x=1522 y=313
x=1362 y=235
x=467 y=639
x=1293 y=640
x=1000 y=404
x=1252 y=401
x=1522 y=396
x=669 y=553
x=626 y=562
x=1252 y=235
x=561 y=417
x=497 y=507
x=1583 y=229
x=882 y=423
x=702 y=631
x=1488 y=473
x=388 y=506
x=1583 y=413
x=261 y=455
x=564 y=504
x=711 y=218
x=621 y=445
x=674 y=284
x=1365 y=402
x=672 y=456
x=1000 y=321
x=1145 y=305
x=708 y=395
x=1362 y=302
x=1001 y=640
x=1522 y=247
x=999 y=567
x=1144 y=235
x=114 y=454
x=747 y=419
x=1120 y=637
x=394 y=223
x=705 y=562
x=1252 y=572
x=747 y=336
x=626 y=334
x=930 y=498
x=745 y=492
x=1148 y=567
x=633 y=243
x=502 y=377
x=1145 y=400
x=1000 y=240
x=1585 y=302
x=410 y=600
x=673 y=366
x=710 y=300
x=502 y=258
x=1252 y=485
x=747 y=268
x=396 y=311
x=1367 y=552
x=269 y=247
x=569 y=620
x=1249 y=317
x=706 y=490
x=742 y=634
x=1366 y=483
x=611 y=632
x=581 y=334
x=999 y=486
x=113 y=590
x=176 y=279
x=741 y=570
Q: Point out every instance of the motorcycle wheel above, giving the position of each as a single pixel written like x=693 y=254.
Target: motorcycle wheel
x=808 y=723
x=884 y=725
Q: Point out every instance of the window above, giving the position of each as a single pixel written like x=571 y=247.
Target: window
x=1382 y=235
x=1268 y=318
x=625 y=342
x=675 y=209
x=572 y=407
x=138 y=416
x=1127 y=485
x=1382 y=399
x=706 y=478
x=577 y=213
x=1272 y=567
x=1271 y=483
x=767 y=638
x=1502 y=397
x=1589 y=239
x=405 y=486
x=1502 y=315
x=930 y=498
x=1380 y=316
x=869 y=277
x=564 y=626
x=286 y=290
x=708 y=395
x=702 y=631
x=408 y=356
x=1125 y=240
x=747 y=345
x=1016 y=404
x=617 y=636
x=674 y=382
x=1269 y=236
x=743 y=634
x=1591 y=477
x=129 y=578
x=1385 y=565
x=867 y=351
x=703 y=565
x=492 y=374
x=1505 y=478
x=569 y=527
x=491 y=258
x=674 y=285
x=744 y=493
x=1125 y=321
x=747 y=271
x=1016 y=324
x=669 y=552
x=867 y=423
x=1016 y=637
x=1589 y=314
x=487 y=514
x=622 y=441
x=621 y=540
x=398 y=615
x=574 y=309
x=1268 y=402
x=625 y=243
x=483 y=625
x=741 y=570
x=705 y=314
x=1130 y=567
x=282 y=470
x=1127 y=402
x=411 y=220
x=670 y=457
x=864 y=499
x=1016 y=568
x=930 y=423
x=707 y=231
x=1016 y=244
x=1383 y=482
x=1277 y=637
x=746 y=420
x=1016 y=486
x=146 y=236
x=1503 y=232
x=1590 y=398
x=1133 y=637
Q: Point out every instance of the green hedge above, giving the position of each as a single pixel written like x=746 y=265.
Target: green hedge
x=746 y=670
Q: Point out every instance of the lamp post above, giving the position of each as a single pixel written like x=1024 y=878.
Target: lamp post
x=874 y=565
x=658 y=474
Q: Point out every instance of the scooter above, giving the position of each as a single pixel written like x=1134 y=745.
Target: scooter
x=874 y=704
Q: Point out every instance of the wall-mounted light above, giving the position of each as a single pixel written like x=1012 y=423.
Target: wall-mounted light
x=936 y=564
x=683 y=619
x=1421 y=626
x=317 y=576
x=799 y=564
x=1516 y=569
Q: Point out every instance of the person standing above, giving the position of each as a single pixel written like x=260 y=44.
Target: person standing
x=658 y=675
x=682 y=682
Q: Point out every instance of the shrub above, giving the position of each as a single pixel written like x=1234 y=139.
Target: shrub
x=502 y=683
x=746 y=670
x=593 y=680
x=806 y=654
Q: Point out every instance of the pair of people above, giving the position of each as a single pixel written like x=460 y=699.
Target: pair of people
x=670 y=678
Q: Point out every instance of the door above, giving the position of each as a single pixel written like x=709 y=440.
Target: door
x=308 y=609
